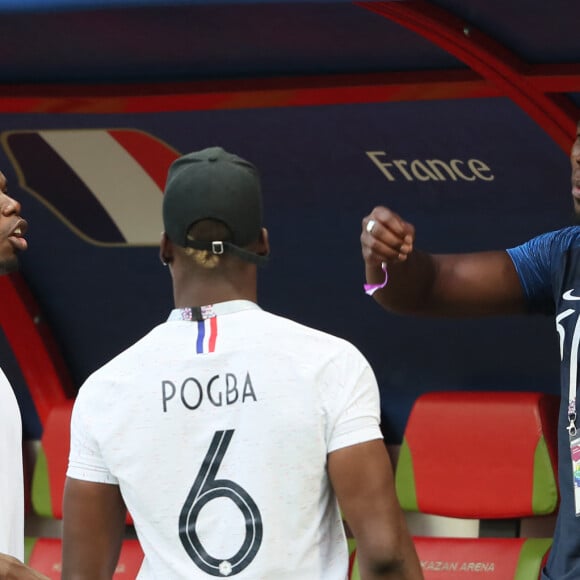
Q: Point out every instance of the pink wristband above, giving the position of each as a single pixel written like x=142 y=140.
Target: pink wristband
x=370 y=289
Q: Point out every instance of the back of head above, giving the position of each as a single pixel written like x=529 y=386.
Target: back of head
x=213 y=203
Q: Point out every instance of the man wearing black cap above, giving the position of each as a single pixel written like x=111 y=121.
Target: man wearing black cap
x=229 y=433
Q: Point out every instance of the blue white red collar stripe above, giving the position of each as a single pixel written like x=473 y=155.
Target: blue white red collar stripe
x=207 y=331
x=206 y=319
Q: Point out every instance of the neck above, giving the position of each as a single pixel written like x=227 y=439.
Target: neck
x=196 y=292
x=195 y=285
x=189 y=299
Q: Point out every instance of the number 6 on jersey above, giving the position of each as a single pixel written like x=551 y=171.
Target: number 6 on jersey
x=206 y=488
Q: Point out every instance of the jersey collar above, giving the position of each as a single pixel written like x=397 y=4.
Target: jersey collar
x=211 y=310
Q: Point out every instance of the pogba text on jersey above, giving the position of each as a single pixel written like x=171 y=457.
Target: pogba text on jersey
x=218 y=391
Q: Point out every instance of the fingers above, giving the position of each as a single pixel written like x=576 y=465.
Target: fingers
x=386 y=237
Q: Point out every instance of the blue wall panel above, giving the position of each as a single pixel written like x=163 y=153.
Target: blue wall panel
x=319 y=182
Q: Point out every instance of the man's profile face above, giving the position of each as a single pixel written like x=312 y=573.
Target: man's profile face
x=12 y=230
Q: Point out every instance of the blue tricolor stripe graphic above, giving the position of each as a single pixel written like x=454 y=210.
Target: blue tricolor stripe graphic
x=207 y=332
x=200 y=335
x=96 y=180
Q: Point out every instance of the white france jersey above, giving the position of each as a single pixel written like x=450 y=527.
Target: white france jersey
x=11 y=475
x=217 y=430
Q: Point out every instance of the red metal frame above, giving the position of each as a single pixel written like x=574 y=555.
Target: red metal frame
x=556 y=114
x=283 y=92
x=253 y=93
x=33 y=346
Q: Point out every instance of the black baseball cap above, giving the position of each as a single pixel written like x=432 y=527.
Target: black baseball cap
x=214 y=184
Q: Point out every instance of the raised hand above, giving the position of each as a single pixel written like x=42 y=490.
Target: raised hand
x=386 y=237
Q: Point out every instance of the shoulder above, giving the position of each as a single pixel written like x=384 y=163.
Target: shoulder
x=561 y=239
x=119 y=368
x=309 y=338
x=547 y=244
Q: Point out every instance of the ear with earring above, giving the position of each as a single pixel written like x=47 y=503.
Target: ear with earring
x=164 y=259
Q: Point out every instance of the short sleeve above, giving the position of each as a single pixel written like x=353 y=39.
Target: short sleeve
x=85 y=460
x=533 y=263
x=357 y=418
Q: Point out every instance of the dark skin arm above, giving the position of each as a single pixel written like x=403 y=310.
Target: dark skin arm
x=94 y=525
x=13 y=569
x=470 y=284
x=362 y=479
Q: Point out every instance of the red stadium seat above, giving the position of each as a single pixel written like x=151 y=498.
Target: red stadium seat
x=49 y=473
x=497 y=558
x=44 y=555
x=48 y=479
x=487 y=456
x=480 y=455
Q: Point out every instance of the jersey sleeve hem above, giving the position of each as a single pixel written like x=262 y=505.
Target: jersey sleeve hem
x=86 y=473
x=369 y=433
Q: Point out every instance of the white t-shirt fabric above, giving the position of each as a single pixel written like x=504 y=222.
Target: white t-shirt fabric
x=11 y=474
x=217 y=430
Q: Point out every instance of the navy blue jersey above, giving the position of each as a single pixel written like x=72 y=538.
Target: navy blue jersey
x=549 y=270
